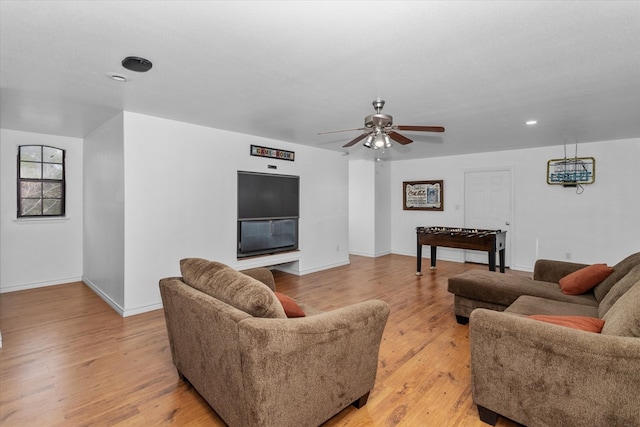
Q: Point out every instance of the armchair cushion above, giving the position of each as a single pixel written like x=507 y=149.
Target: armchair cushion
x=586 y=278
x=232 y=287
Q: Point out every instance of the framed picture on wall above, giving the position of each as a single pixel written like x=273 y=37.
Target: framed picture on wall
x=422 y=196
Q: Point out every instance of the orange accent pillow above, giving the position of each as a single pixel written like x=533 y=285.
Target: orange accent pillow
x=290 y=307
x=584 y=279
x=589 y=324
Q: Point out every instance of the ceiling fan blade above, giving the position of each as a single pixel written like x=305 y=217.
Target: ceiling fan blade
x=399 y=138
x=421 y=128
x=336 y=131
x=355 y=140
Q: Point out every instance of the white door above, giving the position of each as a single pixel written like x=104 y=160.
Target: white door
x=487 y=205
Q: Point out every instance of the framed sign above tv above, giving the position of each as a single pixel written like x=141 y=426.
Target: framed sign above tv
x=273 y=153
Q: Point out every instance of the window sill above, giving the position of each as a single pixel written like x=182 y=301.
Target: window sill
x=40 y=220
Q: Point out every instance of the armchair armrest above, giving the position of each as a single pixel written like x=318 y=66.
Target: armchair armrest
x=547 y=270
x=318 y=364
x=538 y=373
x=262 y=274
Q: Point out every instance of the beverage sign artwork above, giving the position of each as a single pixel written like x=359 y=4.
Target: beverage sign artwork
x=577 y=170
x=423 y=195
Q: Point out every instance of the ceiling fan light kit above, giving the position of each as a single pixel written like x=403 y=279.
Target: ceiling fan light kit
x=380 y=130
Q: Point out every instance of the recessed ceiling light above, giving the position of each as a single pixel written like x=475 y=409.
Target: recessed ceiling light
x=531 y=122
x=135 y=63
x=117 y=77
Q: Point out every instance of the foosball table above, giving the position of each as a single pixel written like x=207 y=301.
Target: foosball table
x=491 y=241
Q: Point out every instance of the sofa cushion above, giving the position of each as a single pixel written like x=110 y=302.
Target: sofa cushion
x=618 y=290
x=586 y=278
x=291 y=308
x=619 y=271
x=623 y=318
x=231 y=287
x=527 y=305
x=589 y=324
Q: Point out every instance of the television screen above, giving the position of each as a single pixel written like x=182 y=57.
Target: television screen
x=262 y=195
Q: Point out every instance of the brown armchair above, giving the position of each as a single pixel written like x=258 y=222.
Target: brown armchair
x=231 y=340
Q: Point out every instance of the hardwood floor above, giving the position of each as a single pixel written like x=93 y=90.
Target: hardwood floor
x=68 y=359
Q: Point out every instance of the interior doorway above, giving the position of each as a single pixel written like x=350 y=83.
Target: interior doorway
x=488 y=196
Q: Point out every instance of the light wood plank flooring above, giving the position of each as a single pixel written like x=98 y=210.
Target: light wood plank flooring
x=68 y=359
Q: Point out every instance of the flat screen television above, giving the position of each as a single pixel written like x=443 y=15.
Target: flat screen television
x=268 y=196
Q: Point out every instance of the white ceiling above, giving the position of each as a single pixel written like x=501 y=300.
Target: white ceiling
x=288 y=70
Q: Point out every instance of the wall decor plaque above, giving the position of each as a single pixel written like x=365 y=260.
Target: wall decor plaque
x=576 y=170
x=422 y=195
x=272 y=153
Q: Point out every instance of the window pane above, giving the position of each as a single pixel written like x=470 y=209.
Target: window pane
x=40 y=181
x=30 y=207
x=30 y=170
x=51 y=155
x=51 y=171
x=30 y=190
x=51 y=207
x=31 y=153
x=52 y=190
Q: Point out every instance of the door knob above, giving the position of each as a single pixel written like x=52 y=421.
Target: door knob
x=507 y=223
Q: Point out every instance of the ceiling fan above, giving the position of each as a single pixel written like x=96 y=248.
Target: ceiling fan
x=380 y=130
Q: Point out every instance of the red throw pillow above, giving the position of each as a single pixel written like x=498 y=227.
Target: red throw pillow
x=584 y=279
x=290 y=307
x=589 y=324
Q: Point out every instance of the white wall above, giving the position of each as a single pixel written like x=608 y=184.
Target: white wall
x=382 y=208
x=39 y=252
x=362 y=187
x=181 y=201
x=103 y=234
x=600 y=225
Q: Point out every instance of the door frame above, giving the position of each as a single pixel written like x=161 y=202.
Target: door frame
x=509 y=238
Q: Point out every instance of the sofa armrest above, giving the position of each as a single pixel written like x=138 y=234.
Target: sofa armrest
x=547 y=270
x=318 y=364
x=538 y=373
x=262 y=274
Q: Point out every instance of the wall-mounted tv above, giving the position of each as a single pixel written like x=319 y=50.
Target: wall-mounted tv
x=268 y=211
x=268 y=196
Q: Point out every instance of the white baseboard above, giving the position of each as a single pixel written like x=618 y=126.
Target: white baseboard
x=140 y=310
x=114 y=305
x=25 y=286
x=316 y=269
x=117 y=307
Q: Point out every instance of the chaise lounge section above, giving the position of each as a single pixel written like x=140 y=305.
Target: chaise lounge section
x=544 y=374
x=486 y=289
